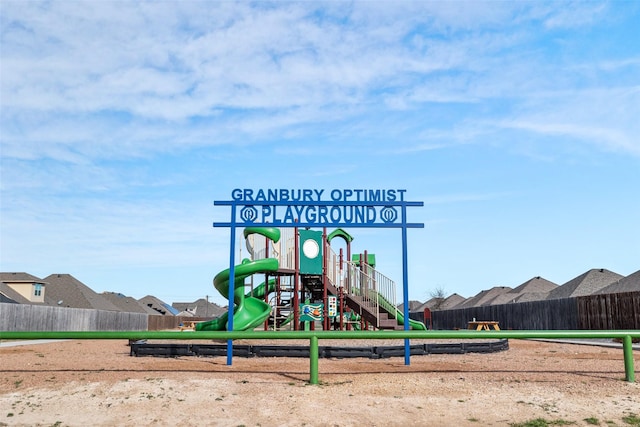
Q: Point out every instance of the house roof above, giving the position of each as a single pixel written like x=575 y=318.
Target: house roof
x=485 y=297
x=448 y=303
x=535 y=284
x=413 y=305
x=532 y=296
x=67 y=291
x=533 y=289
x=587 y=283
x=453 y=301
x=630 y=283
x=158 y=305
x=19 y=277
x=201 y=308
x=127 y=304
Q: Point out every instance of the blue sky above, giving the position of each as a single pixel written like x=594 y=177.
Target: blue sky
x=515 y=122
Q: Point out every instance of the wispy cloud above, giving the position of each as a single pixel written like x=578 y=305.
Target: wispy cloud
x=171 y=74
x=604 y=117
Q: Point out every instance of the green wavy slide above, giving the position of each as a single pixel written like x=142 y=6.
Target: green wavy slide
x=249 y=312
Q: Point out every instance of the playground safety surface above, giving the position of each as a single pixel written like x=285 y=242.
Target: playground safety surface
x=98 y=383
x=143 y=348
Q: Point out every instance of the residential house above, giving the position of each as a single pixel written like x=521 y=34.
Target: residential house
x=22 y=288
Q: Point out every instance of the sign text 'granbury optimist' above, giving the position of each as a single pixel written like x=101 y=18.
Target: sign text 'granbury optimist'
x=337 y=206
x=313 y=195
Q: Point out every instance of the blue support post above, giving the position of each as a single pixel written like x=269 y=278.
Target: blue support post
x=232 y=281
x=405 y=286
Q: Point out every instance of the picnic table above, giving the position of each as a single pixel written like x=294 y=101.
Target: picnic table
x=483 y=325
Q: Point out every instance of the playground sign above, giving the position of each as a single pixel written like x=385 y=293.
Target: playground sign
x=378 y=208
x=311 y=312
x=308 y=208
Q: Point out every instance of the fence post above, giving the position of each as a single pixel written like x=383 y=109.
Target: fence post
x=313 y=360
x=627 y=348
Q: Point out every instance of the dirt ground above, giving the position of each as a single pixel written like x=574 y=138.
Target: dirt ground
x=97 y=383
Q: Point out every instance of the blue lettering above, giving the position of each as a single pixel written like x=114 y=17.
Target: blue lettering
x=276 y=220
x=299 y=211
x=311 y=214
x=248 y=195
x=335 y=214
x=236 y=194
x=266 y=211
x=319 y=194
x=260 y=196
x=288 y=215
x=322 y=214
x=371 y=215
x=348 y=214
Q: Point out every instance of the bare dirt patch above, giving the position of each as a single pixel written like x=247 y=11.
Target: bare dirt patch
x=97 y=383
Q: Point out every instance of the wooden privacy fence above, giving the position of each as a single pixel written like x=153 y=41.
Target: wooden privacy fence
x=609 y=311
x=594 y=312
x=27 y=317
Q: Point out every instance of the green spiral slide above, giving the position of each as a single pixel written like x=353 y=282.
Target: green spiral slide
x=249 y=312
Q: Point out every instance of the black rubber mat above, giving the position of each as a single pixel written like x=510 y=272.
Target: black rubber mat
x=142 y=348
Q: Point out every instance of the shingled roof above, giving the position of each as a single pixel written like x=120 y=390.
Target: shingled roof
x=127 y=304
x=158 y=305
x=485 y=297
x=413 y=305
x=67 y=291
x=630 y=283
x=200 y=308
x=448 y=303
x=19 y=277
x=587 y=283
x=534 y=289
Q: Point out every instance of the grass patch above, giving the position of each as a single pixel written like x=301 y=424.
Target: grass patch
x=631 y=419
x=592 y=421
x=541 y=422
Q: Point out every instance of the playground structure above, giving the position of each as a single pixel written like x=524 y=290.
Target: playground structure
x=306 y=284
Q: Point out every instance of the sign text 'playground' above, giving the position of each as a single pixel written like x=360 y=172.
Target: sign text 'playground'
x=314 y=207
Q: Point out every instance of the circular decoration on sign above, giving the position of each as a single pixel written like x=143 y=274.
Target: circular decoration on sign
x=248 y=214
x=310 y=248
x=389 y=214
